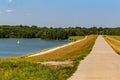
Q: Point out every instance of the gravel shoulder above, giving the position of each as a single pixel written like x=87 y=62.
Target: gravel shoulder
x=103 y=63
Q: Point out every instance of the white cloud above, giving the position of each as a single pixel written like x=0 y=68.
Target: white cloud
x=9 y=10
x=10 y=1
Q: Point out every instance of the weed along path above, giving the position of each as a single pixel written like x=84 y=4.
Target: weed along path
x=101 y=64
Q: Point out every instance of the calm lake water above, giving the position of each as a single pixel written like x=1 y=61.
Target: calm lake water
x=9 y=47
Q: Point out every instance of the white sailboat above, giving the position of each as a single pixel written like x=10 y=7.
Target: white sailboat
x=18 y=42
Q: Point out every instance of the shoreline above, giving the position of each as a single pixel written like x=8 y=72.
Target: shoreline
x=56 y=48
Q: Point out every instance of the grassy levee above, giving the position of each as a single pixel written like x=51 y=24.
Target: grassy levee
x=67 y=53
x=21 y=68
x=114 y=42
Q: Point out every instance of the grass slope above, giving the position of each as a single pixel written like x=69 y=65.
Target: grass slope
x=21 y=68
x=114 y=41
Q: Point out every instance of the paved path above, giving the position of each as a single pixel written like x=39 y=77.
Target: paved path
x=101 y=64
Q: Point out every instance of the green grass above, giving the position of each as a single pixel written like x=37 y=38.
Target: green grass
x=21 y=68
x=31 y=71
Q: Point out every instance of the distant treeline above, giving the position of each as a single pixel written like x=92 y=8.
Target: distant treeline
x=23 y=31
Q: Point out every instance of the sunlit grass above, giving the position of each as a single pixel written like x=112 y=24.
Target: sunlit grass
x=115 y=37
x=70 y=52
x=114 y=41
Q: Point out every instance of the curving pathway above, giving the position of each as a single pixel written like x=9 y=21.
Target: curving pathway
x=101 y=64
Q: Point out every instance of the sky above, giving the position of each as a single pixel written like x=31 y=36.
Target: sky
x=60 y=13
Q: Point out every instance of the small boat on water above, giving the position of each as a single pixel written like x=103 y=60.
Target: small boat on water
x=18 y=42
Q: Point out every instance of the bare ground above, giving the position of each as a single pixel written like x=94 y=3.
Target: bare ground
x=57 y=63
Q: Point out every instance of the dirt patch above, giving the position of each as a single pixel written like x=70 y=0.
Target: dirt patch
x=56 y=63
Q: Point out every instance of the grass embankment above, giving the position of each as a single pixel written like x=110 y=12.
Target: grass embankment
x=114 y=41
x=28 y=69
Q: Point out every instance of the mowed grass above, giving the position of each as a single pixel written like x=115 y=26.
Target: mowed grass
x=114 y=41
x=22 y=68
x=71 y=52
x=115 y=37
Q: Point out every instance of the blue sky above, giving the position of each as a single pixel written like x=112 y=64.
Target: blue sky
x=60 y=13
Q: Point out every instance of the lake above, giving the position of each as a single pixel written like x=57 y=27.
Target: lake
x=9 y=47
